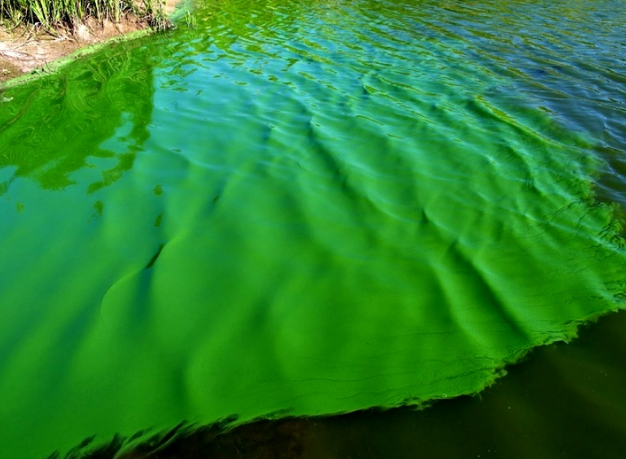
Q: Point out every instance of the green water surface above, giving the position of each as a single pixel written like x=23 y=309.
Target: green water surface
x=299 y=208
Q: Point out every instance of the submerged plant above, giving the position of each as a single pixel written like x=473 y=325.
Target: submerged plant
x=190 y=20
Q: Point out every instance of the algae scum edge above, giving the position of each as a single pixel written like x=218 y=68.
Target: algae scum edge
x=365 y=219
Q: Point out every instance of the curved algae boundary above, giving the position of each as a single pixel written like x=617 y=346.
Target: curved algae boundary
x=569 y=333
x=282 y=427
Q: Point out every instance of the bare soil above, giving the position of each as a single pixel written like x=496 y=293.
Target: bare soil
x=28 y=48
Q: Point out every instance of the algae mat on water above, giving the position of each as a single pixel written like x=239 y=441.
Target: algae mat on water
x=293 y=210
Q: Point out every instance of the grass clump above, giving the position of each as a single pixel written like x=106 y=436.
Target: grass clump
x=50 y=14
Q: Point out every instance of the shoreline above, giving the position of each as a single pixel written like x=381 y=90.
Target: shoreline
x=27 y=53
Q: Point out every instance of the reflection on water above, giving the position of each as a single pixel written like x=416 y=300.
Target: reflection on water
x=303 y=210
x=83 y=118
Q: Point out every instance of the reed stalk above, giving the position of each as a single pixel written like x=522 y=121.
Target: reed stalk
x=54 y=13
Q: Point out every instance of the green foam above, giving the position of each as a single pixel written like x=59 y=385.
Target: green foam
x=191 y=230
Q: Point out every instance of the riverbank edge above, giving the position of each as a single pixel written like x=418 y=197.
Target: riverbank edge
x=176 y=10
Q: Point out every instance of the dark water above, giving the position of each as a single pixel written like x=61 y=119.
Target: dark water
x=565 y=401
x=306 y=209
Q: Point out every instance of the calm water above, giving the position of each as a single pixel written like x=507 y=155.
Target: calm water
x=306 y=209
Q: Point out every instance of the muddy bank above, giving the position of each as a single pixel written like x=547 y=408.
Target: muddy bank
x=27 y=49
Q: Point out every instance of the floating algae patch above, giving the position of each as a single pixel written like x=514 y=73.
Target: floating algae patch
x=295 y=210
x=564 y=399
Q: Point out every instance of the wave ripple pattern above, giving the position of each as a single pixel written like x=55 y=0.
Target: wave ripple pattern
x=292 y=208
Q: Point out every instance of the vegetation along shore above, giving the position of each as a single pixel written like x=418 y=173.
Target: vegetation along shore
x=36 y=34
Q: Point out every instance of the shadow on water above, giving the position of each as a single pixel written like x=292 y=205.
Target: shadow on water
x=566 y=400
x=64 y=120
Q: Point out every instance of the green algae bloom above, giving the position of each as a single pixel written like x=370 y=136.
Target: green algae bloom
x=240 y=220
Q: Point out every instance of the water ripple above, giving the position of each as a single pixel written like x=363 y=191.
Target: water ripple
x=305 y=209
